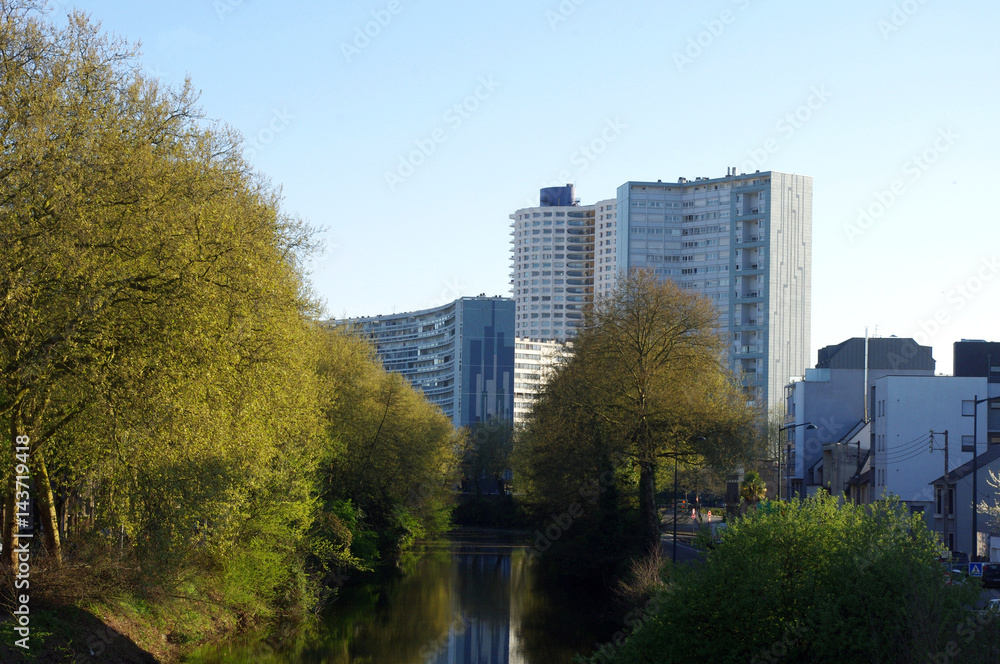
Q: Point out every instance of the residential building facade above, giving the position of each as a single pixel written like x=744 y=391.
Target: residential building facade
x=552 y=264
x=922 y=427
x=952 y=515
x=745 y=242
x=460 y=355
x=533 y=364
x=832 y=398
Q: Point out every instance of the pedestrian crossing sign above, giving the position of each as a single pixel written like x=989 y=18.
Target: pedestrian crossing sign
x=975 y=569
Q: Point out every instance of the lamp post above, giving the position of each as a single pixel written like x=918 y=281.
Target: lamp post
x=975 y=469
x=809 y=426
x=674 y=545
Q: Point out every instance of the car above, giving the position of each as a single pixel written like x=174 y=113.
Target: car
x=991 y=575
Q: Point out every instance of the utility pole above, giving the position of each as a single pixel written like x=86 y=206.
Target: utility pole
x=975 y=465
x=945 y=501
x=857 y=486
x=975 y=455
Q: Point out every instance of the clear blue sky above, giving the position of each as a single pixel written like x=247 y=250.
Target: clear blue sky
x=691 y=87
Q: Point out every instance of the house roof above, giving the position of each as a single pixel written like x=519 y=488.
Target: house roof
x=856 y=429
x=965 y=469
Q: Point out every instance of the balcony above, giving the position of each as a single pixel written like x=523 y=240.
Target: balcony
x=749 y=295
x=752 y=349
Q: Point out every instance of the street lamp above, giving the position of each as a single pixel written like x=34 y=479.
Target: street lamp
x=808 y=426
x=975 y=470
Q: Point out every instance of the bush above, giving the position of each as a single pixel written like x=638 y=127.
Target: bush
x=808 y=582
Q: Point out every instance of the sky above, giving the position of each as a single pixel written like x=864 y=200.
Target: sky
x=409 y=130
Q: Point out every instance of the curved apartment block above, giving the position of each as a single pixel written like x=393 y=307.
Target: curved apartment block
x=460 y=355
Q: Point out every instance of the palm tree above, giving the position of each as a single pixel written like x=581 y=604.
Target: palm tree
x=752 y=489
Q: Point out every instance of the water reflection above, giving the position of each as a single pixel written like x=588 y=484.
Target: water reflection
x=475 y=599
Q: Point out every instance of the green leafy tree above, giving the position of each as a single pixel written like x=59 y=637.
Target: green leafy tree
x=646 y=382
x=390 y=452
x=488 y=454
x=154 y=326
x=655 y=374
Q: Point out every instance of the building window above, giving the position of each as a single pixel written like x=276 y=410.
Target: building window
x=968 y=407
x=968 y=444
x=937 y=498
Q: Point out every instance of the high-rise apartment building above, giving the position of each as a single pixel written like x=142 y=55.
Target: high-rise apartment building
x=460 y=355
x=745 y=242
x=552 y=264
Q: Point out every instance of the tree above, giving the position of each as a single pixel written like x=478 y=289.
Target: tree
x=130 y=231
x=655 y=372
x=488 y=454
x=154 y=329
x=752 y=488
x=993 y=511
x=813 y=582
x=570 y=474
x=698 y=480
x=390 y=452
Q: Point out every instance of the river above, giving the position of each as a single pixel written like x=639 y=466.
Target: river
x=475 y=598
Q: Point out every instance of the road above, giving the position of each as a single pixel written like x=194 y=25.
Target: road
x=685 y=532
x=685 y=552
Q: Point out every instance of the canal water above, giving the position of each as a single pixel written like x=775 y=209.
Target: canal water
x=476 y=598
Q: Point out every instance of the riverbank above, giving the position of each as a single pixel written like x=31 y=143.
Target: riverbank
x=125 y=630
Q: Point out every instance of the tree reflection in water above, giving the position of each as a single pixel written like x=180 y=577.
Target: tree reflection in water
x=474 y=599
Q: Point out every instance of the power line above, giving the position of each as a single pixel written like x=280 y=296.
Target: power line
x=913 y=455
x=906 y=448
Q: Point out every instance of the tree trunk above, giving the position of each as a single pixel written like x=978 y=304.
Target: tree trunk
x=46 y=507
x=649 y=523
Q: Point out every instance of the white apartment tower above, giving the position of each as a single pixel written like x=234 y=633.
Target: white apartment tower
x=552 y=264
x=745 y=242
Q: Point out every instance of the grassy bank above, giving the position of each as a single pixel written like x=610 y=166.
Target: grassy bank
x=123 y=630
